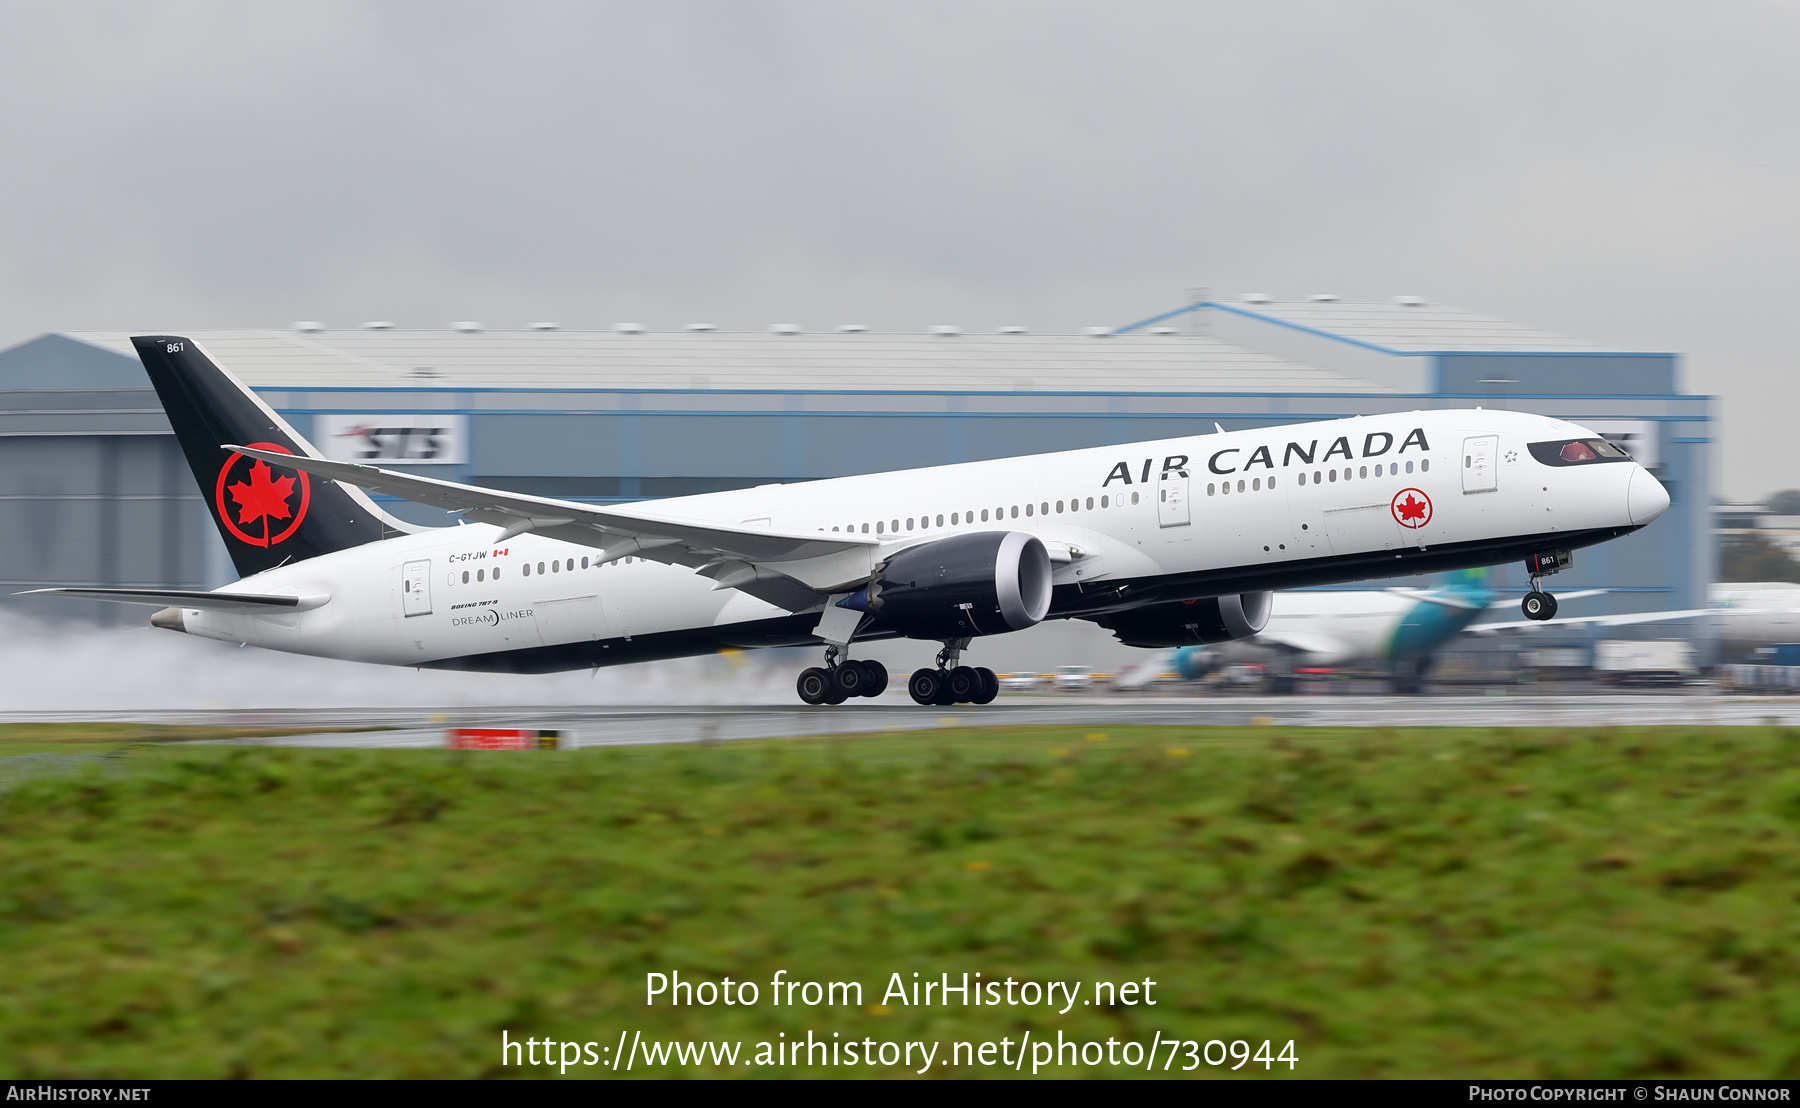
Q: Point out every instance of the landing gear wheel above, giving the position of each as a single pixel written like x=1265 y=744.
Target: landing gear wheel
x=924 y=686
x=945 y=697
x=1552 y=599
x=990 y=686
x=875 y=678
x=965 y=685
x=1538 y=605
x=848 y=679
x=814 y=685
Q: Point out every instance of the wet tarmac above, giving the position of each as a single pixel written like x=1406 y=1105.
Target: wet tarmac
x=645 y=724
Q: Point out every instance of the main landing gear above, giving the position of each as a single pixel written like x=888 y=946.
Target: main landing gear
x=1538 y=604
x=836 y=681
x=950 y=683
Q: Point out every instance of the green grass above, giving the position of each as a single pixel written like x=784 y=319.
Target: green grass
x=100 y=738
x=1526 y=903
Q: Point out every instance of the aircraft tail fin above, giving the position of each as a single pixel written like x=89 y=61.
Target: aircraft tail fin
x=267 y=514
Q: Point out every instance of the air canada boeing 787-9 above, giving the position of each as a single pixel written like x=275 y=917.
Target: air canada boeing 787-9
x=1165 y=543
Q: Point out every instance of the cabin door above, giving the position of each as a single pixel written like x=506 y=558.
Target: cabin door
x=1478 y=463
x=415 y=588
x=1172 y=498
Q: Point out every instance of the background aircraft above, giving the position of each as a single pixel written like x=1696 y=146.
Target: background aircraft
x=1397 y=628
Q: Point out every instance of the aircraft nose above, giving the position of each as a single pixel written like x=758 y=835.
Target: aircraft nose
x=1645 y=499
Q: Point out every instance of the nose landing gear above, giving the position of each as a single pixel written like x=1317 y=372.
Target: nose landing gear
x=1538 y=604
x=836 y=682
x=950 y=683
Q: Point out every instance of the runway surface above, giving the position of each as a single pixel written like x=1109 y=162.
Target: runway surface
x=644 y=724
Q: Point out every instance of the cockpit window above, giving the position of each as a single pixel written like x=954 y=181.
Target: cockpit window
x=1576 y=452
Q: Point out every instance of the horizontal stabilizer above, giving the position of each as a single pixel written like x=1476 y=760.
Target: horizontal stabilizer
x=189 y=598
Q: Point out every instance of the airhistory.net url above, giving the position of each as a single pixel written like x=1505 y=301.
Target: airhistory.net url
x=1158 y=1055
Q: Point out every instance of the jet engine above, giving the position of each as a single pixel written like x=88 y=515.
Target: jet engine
x=1186 y=622
x=981 y=584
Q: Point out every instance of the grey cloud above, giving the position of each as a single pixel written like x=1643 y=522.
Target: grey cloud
x=1617 y=171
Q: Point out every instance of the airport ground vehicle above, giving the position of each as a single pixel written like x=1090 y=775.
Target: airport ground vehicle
x=1167 y=543
x=1072 y=679
x=1644 y=662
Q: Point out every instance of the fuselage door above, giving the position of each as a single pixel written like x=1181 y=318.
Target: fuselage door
x=1172 y=498
x=1479 y=453
x=415 y=588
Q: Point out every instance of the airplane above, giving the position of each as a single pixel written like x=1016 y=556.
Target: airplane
x=1399 y=629
x=1168 y=543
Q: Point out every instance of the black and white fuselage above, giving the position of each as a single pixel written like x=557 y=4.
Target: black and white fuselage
x=1125 y=527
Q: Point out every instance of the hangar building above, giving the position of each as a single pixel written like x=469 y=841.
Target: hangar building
x=94 y=490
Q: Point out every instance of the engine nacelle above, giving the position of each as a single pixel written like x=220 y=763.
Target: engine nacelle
x=1187 y=622
x=965 y=586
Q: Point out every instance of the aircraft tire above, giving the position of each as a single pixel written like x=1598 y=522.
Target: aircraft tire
x=990 y=686
x=1551 y=612
x=965 y=685
x=848 y=679
x=1537 y=605
x=876 y=680
x=813 y=685
x=924 y=687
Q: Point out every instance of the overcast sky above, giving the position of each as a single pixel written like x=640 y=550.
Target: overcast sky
x=1621 y=172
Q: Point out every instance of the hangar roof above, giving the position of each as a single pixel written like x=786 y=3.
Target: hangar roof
x=723 y=360
x=1411 y=328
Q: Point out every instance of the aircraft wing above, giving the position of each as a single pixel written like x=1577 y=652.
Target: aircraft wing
x=1145 y=671
x=1599 y=621
x=1324 y=648
x=190 y=598
x=757 y=560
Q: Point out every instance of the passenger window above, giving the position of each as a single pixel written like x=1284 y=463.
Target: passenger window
x=1059 y=507
x=571 y=565
x=954 y=516
x=1303 y=478
x=481 y=575
x=584 y=562
x=909 y=524
x=880 y=527
x=1425 y=465
x=1364 y=473
x=984 y=515
x=1240 y=486
x=527 y=573
x=496 y=573
x=1210 y=489
x=465 y=576
x=1103 y=502
x=1316 y=477
x=1044 y=508
x=1224 y=487
x=940 y=521
x=1090 y=504
x=1409 y=467
x=1027 y=510
x=1256 y=484
x=1015 y=511
x=1134 y=498
x=1271 y=482
x=1334 y=476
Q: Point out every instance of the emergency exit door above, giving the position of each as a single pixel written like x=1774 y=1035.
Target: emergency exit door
x=1172 y=498
x=1478 y=463
x=415 y=588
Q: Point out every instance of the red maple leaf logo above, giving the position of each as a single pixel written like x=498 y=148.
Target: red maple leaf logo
x=262 y=498
x=1412 y=509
